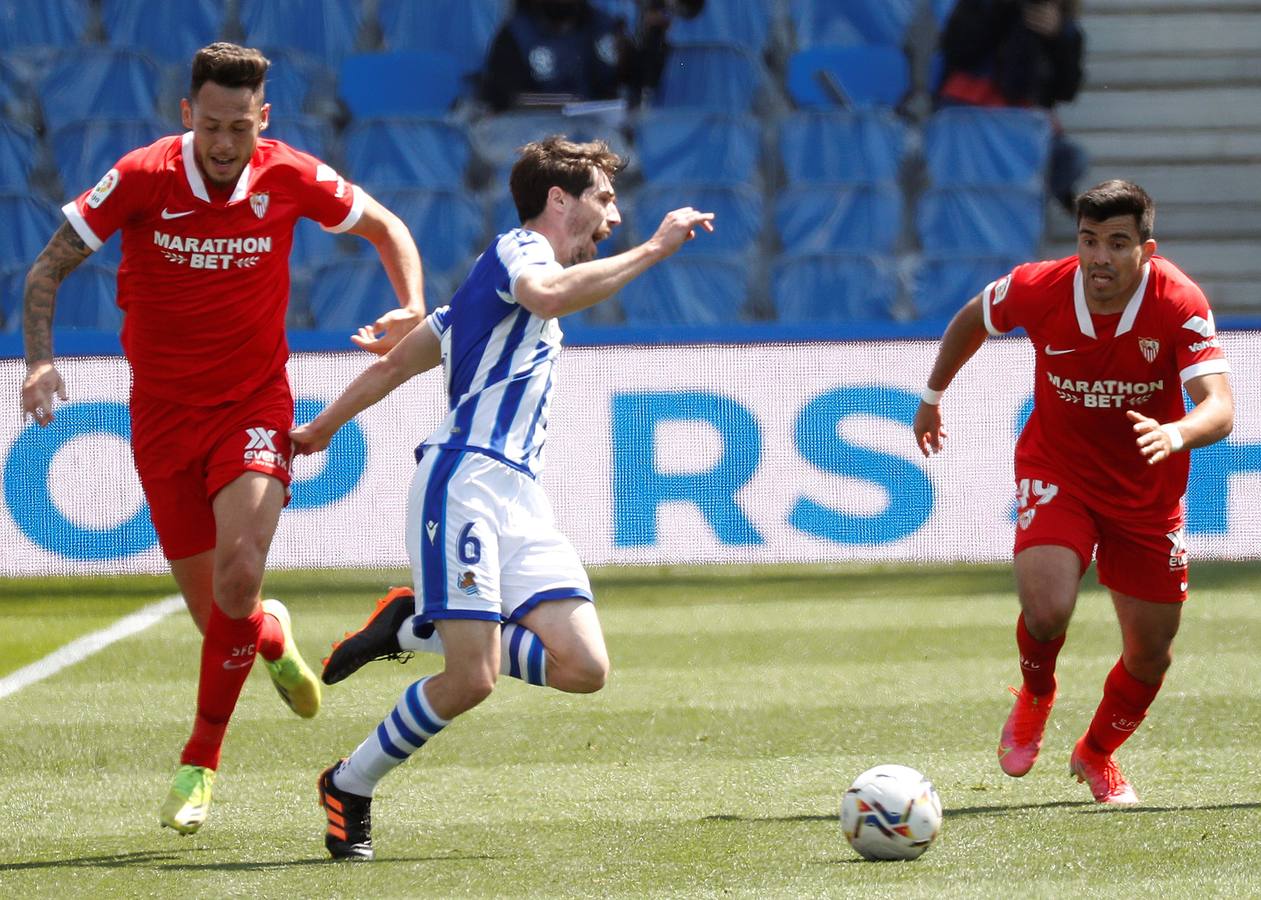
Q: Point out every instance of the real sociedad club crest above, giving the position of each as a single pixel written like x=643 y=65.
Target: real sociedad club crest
x=258 y=203
x=1150 y=347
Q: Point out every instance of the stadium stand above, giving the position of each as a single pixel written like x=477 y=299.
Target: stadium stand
x=399 y=152
x=834 y=288
x=463 y=28
x=86 y=300
x=85 y=150
x=712 y=76
x=817 y=218
x=739 y=24
x=851 y=77
x=18 y=148
x=737 y=207
x=347 y=293
x=47 y=24
x=681 y=147
x=449 y=226
x=29 y=221
x=325 y=30
x=833 y=146
x=693 y=290
x=311 y=134
x=817 y=22
x=941 y=282
x=994 y=219
x=399 y=83
x=99 y=82
x=966 y=145
x=168 y=32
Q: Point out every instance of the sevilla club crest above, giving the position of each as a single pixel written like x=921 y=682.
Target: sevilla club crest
x=258 y=203
x=1149 y=347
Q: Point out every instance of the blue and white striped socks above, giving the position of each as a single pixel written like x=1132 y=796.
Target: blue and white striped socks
x=400 y=734
x=522 y=654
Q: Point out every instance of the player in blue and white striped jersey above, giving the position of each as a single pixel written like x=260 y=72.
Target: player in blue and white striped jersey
x=503 y=587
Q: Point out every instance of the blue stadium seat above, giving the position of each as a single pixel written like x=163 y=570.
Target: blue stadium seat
x=313 y=247
x=18 y=148
x=55 y=23
x=399 y=83
x=837 y=145
x=998 y=219
x=296 y=84
x=169 y=32
x=677 y=146
x=87 y=299
x=817 y=218
x=973 y=145
x=29 y=221
x=406 y=153
x=745 y=24
x=711 y=76
x=943 y=282
x=851 y=22
x=348 y=293
x=322 y=29
x=497 y=138
x=463 y=28
x=834 y=287
x=310 y=134
x=94 y=83
x=854 y=77
x=688 y=290
x=449 y=226
x=738 y=215
x=942 y=10
x=86 y=150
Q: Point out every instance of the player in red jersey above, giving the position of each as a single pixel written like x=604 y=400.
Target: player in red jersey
x=1101 y=465
x=207 y=221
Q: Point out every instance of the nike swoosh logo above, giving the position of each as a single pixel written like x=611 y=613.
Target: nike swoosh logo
x=1050 y=352
x=167 y=214
x=238 y=663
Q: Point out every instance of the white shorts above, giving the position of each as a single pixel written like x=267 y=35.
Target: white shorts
x=482 y=541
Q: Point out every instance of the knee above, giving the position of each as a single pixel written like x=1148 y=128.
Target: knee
x=471 y=688
x=1044 y=621
x=584 y=673
x=1149 y=665
x=238 y=579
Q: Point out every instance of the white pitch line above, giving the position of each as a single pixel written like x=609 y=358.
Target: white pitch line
x=81 y=648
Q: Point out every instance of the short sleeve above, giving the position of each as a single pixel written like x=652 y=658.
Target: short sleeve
x=439 y=320
x=1196 y=347
x=122 y=191
x=995 y=308
x=523 y=251
x=324 y=195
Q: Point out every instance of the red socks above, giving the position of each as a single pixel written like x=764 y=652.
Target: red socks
x=227 y=655
x=1124 y=706
x=1037 y=659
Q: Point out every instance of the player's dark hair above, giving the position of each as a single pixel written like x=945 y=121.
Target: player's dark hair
x=557 y=161
x=1118 y=198
x=228 y=65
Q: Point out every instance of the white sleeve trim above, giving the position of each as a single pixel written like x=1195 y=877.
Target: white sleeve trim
x=359 y=199
x=81 y=226
x=1208 y=367
x=986 y=296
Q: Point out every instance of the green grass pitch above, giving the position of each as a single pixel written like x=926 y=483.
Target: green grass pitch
x=741 y=704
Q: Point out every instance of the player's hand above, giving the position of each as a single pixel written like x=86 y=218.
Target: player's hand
x=1153 y=442
x=387 y=331
x=43 y=381
x=929 y=435
x=679 y=226
x=309 y=438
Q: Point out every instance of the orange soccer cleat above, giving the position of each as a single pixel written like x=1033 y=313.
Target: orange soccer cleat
x=1022 y=734
x=1102 y=774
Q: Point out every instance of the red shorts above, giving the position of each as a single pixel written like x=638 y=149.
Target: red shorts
x=185 y=454
x=1144 y=560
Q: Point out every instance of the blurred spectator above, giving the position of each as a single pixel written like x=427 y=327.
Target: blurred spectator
x=1018 y=53
x=557 y=51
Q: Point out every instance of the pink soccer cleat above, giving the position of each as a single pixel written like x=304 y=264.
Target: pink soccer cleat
x=1022 y=734
x=1102 y=774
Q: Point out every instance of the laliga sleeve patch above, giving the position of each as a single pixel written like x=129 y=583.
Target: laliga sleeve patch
x=103 y=188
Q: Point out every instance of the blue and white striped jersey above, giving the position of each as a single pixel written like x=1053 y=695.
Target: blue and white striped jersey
x=498 y=357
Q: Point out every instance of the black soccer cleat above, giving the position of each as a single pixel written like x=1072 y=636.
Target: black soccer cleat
x=349 y=832
x=377 y=639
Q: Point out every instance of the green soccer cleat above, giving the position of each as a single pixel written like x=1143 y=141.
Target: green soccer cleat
x=188 y=803
x=294 y=680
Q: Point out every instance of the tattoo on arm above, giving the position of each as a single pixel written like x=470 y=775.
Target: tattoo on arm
x=57 y=260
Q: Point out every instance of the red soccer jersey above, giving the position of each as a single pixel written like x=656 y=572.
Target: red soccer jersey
x=1090 y=369
x=204 y=282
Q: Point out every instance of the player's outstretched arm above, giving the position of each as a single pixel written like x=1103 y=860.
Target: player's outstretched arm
x=585 y=284
x=401 y=260
x=1210 y=420
x=964 y=336
x=419 y=351
x=64 y=251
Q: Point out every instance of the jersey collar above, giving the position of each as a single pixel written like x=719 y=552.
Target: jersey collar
x=195 y=181
x=1087 y=325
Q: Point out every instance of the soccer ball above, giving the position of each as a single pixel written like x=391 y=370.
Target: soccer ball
x=891 y=812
